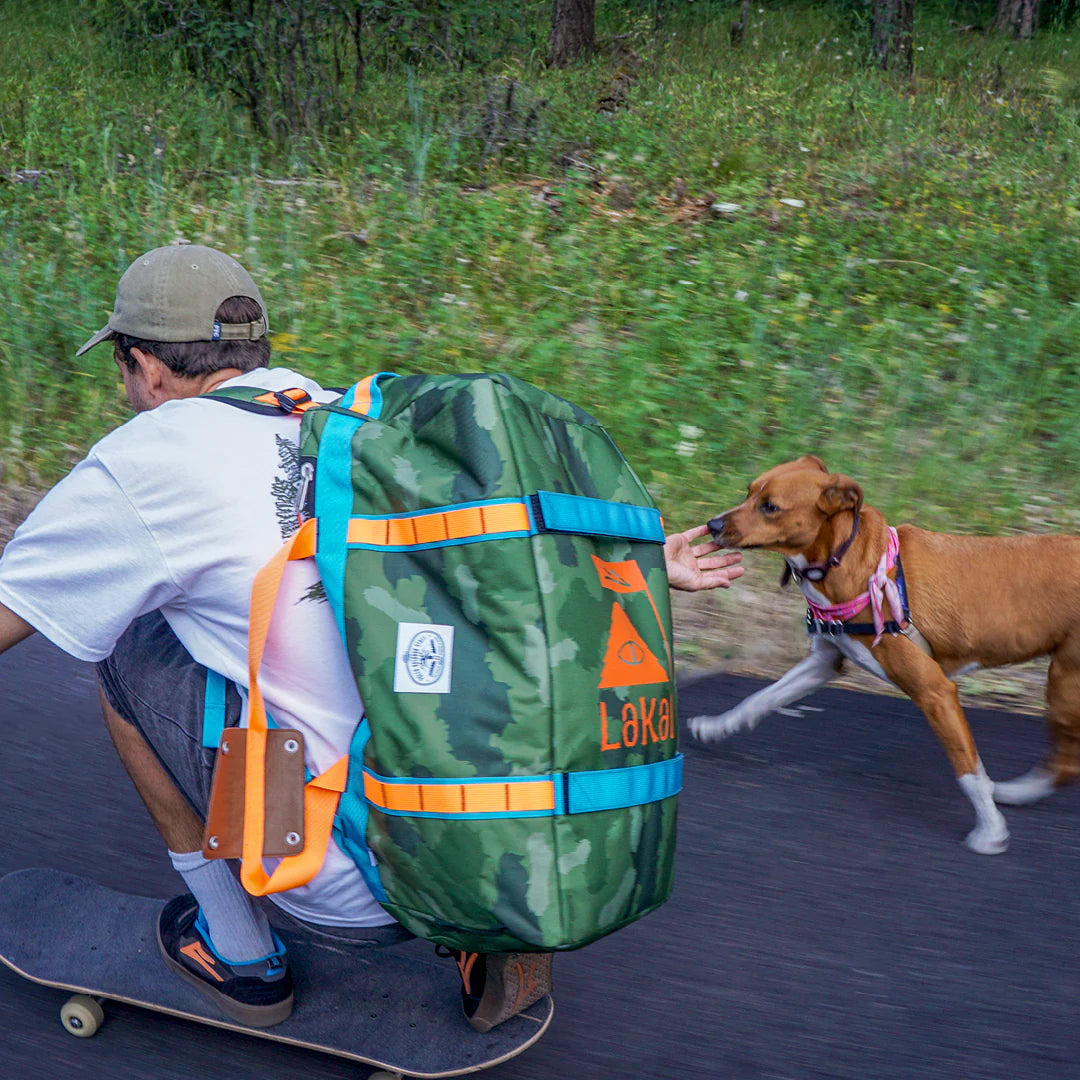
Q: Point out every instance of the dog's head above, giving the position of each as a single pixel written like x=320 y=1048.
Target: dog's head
x=786 y=507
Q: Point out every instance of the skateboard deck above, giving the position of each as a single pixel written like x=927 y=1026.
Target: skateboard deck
x=386 y=1007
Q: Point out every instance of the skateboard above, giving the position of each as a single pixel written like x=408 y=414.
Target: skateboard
x=392 y=1008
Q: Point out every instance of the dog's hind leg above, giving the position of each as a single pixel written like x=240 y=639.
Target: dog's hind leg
x=815 y=670
x=1063 y=723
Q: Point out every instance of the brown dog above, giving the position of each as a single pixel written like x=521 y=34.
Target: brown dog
x=970 y=602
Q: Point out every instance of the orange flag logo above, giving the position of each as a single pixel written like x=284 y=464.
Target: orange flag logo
x=628 y=660
x=620 y=577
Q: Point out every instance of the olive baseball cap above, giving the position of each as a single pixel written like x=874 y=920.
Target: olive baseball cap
x=173 y=293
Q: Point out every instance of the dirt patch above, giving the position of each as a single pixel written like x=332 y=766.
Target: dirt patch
x=753 y=628
x=15 y=504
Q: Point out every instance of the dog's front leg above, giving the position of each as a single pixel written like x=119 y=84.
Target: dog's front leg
x=818 y=668
x=923 y=680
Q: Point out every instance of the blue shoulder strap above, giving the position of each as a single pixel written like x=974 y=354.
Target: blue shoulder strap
x=213 y=709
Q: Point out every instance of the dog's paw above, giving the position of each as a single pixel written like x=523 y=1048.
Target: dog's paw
x=988 y=841
x=714 y=728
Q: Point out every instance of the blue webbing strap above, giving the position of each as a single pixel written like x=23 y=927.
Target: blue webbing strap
x=598 y=517
x=350 y=822
x=213 y=723
x=333 y=504
x=334 y=493
x=614 y=789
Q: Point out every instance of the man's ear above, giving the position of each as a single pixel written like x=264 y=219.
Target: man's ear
x=152 y=369
x=840 y=493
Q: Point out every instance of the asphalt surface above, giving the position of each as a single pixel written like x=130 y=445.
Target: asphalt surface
x=826 y=922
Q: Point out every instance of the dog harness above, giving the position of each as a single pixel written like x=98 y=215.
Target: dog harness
x=833 y=620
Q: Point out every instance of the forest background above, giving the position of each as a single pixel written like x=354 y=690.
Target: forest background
x=734 y=232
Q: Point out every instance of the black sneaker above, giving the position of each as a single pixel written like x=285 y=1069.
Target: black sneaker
x=496 y=986
x=259 y=994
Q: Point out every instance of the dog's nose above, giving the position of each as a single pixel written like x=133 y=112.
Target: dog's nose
x=717 y=526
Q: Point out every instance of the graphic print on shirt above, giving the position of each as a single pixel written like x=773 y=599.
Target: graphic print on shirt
x=285 y=491
x=286 y=487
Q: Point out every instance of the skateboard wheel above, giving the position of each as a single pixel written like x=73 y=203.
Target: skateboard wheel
x=82 y=1015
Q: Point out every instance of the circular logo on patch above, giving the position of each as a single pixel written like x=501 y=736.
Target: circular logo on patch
x=630 y=653
x=425 y=658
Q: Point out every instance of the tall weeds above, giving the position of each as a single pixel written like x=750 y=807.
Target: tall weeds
x=729 y=254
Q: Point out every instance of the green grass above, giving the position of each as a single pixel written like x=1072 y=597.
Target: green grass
x=911 y=314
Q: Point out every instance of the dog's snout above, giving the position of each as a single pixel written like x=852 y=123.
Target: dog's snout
x=717 y=526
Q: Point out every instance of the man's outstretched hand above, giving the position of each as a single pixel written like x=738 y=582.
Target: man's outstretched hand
x=691 y=568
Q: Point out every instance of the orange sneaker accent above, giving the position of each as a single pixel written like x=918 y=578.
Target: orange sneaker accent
x=197 y=953
x=466 y=962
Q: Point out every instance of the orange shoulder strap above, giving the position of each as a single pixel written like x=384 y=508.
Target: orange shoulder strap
x=321 y=794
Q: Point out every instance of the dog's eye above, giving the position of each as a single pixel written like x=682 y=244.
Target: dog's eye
x=769 y=508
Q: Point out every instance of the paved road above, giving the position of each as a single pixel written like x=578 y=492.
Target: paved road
x=826 y=921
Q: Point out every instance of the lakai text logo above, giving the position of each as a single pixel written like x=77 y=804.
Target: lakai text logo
x=647 y=720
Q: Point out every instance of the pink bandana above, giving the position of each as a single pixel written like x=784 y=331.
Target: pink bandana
x=880 y=587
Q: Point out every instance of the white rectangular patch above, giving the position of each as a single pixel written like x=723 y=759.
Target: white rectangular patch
x=424 y=658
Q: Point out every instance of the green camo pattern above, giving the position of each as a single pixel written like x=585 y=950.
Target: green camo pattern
x=531 y=635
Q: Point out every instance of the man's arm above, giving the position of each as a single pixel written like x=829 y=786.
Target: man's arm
x=12 y=628
x=693 y=568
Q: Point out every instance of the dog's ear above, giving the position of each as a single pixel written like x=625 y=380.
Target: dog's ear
x=810 y=460
x=840 y=493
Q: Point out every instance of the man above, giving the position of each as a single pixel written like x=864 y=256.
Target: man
x=142 y=561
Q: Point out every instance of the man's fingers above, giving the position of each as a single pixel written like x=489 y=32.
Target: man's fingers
x=715 y=579
x=695 y=532
x=718 y=562
x=729 y=573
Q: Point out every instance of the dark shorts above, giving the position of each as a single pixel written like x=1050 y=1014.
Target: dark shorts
x=154 y=684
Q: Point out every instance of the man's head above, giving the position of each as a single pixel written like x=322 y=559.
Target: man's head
x=189 y=311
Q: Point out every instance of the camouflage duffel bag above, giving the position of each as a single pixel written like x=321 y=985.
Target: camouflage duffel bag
x=496 y=570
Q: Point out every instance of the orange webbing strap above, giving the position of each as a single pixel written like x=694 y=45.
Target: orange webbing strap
x=290 y=401
x=465 y=797
x=361 y=402
x=440 y=526
x=321 y=794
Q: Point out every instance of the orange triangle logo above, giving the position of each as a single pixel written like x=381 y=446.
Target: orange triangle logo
x=628 y=661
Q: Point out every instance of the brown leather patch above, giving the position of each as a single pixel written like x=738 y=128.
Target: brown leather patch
x=283 y=831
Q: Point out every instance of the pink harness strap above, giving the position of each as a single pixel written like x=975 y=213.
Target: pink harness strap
x=880 y=587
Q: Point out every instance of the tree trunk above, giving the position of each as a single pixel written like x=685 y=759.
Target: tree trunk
x=892 y=33
x=1017 y=17
x=573 y=31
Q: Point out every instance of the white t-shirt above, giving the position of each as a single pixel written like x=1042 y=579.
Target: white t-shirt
x=177 y=510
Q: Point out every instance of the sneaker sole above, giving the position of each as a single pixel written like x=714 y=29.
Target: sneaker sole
x=256 y=1016
x=514 y=983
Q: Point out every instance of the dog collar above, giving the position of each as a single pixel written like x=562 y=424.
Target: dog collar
x=817 y=571
x=833 y=620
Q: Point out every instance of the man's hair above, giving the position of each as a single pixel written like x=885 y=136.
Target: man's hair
x=191 y=359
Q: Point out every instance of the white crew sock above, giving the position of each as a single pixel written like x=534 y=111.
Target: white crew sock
x=239 y=931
